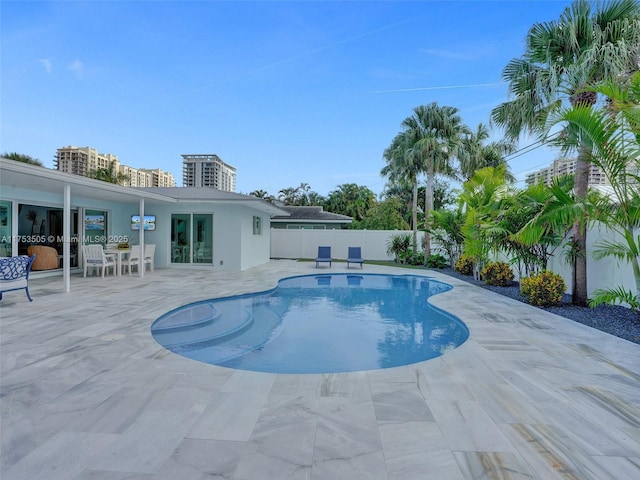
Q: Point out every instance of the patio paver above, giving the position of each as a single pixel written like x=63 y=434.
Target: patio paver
x=86 y=393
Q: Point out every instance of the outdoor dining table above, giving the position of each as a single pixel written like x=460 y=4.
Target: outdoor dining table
x=120 y=254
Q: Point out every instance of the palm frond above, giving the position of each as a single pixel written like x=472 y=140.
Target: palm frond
x=613 y=296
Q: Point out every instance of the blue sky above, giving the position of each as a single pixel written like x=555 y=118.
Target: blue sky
x=285 y=91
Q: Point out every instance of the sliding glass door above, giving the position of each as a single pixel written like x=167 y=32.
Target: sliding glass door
x=192 y=238
x=6 y=234
x=42 y=225
x=203 y=238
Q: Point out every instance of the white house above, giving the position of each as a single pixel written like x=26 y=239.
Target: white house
x=194 y=227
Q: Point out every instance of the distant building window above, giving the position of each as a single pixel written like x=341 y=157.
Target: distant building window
x=257 y=225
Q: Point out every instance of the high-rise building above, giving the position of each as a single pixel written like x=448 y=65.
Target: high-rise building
x=135 y=177
x=208 y=170
x=85 y=160
x=159 y=178
x=564 y=166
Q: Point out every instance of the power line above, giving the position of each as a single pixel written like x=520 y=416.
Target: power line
x=529 y=148
x=532 y=168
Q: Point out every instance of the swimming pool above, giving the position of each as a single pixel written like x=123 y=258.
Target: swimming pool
x=317 y=324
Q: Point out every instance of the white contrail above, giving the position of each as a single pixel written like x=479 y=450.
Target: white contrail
x=442 y=87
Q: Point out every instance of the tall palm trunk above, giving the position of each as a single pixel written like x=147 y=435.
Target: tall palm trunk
x=415 y=215
x=581 y=185
x=428 y=208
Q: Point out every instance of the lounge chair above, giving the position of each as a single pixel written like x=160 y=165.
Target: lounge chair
x=355 y=256
x=324 y=255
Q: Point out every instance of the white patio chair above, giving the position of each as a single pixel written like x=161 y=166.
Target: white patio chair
x=134 y=258
x=94 y=257
x=201 y=253
x=149 y=254
x=176 y=252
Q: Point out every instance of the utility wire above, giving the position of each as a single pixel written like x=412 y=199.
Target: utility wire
x=529 y=148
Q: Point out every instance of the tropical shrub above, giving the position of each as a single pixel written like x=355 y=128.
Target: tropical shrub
x=464 y=265
x=399 y=246
x=612 y=296
x=437 y=261
x=415 y=258
x=544 y=289
x=445 y=228
x=497 y=273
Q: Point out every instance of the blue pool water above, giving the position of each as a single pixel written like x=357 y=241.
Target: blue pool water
x=317 y=324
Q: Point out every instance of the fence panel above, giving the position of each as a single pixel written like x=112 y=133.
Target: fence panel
x=304 y=243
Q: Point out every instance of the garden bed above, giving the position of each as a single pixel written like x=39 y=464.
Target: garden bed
x=613 y=319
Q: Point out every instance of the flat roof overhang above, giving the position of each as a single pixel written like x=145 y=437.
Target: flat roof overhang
x=68 y=186
x=22 y=175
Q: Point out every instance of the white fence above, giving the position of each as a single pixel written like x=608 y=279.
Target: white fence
x=301 y=243
x=605 y=273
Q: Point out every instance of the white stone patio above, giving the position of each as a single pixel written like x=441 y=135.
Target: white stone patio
x=86 y=393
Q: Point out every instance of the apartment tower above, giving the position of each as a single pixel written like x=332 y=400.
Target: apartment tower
x=208 y=170
x=85 y=160
x=564 y=166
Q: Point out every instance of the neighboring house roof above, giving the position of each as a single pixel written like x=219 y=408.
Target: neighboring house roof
x=210 y=194
x=311 y=214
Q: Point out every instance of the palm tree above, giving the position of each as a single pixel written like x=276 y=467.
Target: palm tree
x=529 y=237
x=474 y=153
x=437 y=131
x=589 y=42
x=479 y=200
x=288 y=195
x=297 y=196
x=303 y=194
x=614 y=135
x=315 y=198
x=403 y=192
x=403 y=166
x=111 y=175
x=446 y=228
x=19 y=157
x=263 y=194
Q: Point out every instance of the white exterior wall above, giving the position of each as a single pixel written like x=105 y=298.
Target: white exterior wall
x=235 y=247
x=255 y=248
x=304 y=243
x=604 y=273
x=227 y=238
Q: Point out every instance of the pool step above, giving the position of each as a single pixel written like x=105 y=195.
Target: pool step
x=264 y=325
x=206 y=323
x=183 y=318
